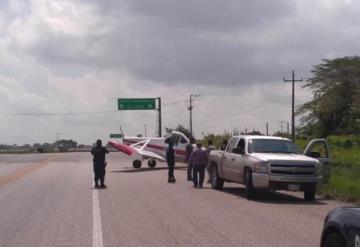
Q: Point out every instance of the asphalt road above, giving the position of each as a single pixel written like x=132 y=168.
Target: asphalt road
x=48 y=200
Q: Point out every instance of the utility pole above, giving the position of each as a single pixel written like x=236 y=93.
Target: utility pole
x=145 y=130
x=293 y=103
x=287 y=128
x=267 y=129
x=190 y=108
x=159 y=109
x=121 y=132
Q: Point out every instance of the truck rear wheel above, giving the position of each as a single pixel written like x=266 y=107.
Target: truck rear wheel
x=309 y=194
x=249 y=187
x=216 y=181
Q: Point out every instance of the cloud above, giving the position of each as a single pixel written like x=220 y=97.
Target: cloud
x=213 y=15
x=80 y=56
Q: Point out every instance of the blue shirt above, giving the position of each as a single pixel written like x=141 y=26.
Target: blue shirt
x=199 y=157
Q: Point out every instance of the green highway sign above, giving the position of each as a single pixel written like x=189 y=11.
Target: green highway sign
x=116 y=135
x=137 y=104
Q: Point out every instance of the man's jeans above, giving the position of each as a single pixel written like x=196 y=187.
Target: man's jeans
x=189 y=171
x=198 y=169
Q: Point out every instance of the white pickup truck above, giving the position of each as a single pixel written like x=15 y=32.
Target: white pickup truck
x=273 y=163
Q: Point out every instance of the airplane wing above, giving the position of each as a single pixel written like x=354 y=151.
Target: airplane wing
x=138 y=148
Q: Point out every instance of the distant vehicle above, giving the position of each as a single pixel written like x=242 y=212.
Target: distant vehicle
x=152 y=149
x=341 y=228
x=274 y=163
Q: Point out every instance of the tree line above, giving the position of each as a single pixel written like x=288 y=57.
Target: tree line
x=59 y=145
x=335 y=107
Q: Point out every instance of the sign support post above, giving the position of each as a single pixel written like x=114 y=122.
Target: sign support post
x=159 y=109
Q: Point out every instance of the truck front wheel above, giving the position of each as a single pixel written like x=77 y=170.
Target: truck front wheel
x=249 y=187
x=216 y=181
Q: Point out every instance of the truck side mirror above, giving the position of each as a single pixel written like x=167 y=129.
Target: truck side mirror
x=238 y=150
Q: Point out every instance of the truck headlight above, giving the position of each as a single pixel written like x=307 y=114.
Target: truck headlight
x=260 y=167
x=318 y=169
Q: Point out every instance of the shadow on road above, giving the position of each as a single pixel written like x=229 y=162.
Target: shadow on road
x=264 y=196
x=147 y=169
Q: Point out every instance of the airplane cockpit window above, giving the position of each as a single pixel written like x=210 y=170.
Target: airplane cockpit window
x=177 y=138
x=174 y=138
x=183 y=140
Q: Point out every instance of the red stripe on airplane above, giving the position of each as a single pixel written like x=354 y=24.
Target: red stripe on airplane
x=122 y=148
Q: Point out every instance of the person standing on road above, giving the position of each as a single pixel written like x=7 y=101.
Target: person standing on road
x=208 y=149
x=99 y=163
x=199 y=159
x=170 y=159
x=189 y=149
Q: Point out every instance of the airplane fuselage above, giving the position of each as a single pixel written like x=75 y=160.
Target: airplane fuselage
x=158 y=146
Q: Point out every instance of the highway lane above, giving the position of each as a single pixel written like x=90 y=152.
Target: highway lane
x=15 y=162
x=50 y=206
x=53 y=205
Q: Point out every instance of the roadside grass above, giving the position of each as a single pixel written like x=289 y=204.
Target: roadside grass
x=344 y=182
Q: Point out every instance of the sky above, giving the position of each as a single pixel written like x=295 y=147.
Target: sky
x=64 y=63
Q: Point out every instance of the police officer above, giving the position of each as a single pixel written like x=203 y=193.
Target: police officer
x=170 y=159
x=188 y=149
x=99 y=160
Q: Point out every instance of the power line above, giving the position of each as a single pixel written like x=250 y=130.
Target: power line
x=50 y=114
x=176 y=102
x=261 y=86
x=249 y=109
x=46 y=114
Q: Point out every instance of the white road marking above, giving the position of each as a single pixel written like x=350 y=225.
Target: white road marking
x=97 y=228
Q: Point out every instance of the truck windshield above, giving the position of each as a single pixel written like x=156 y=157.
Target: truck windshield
x=272 y=146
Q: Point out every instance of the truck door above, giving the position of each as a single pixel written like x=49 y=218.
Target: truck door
x=318 y=149
x=236 y=161
x=228 y=157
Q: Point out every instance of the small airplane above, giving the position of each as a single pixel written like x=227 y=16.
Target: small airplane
x=152 y=149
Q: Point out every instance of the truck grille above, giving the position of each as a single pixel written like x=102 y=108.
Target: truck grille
x=295 y=170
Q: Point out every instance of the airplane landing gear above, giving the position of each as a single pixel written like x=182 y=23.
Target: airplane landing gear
x=152 y=163
x=137 y=164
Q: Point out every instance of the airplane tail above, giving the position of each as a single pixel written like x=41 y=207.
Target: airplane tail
x=122 y=147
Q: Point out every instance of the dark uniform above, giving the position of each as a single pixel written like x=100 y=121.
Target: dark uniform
x=99 y=163
x=188 y=149
x=170 y=159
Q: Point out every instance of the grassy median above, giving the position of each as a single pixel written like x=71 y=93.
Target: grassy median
x=344 y=183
